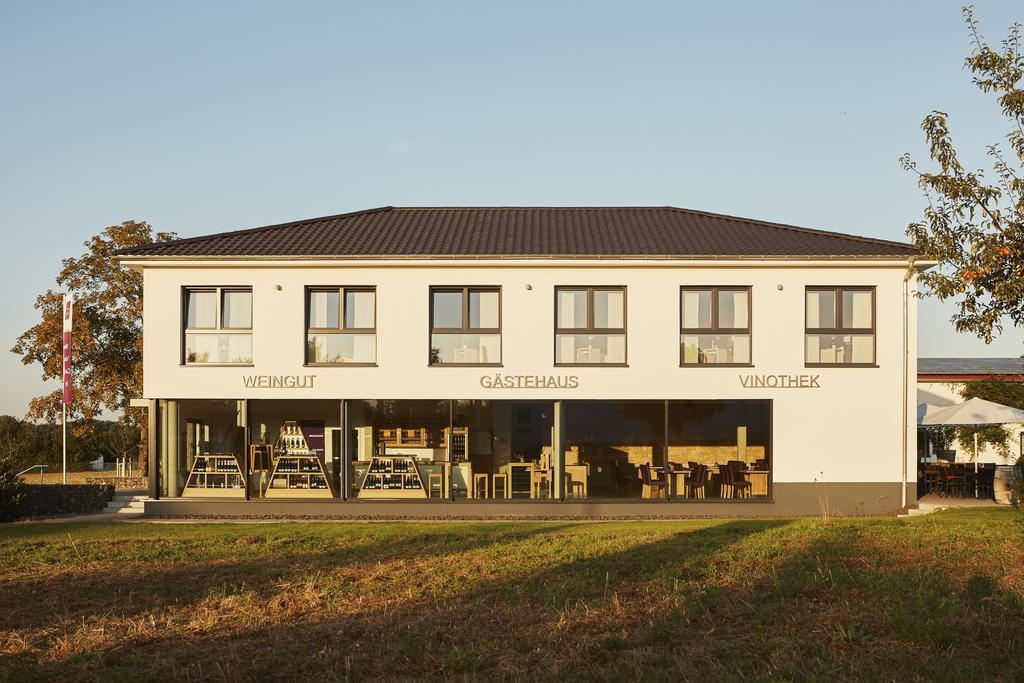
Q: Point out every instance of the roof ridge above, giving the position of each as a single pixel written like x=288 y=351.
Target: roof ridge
x=698 y=212
x=607 y=234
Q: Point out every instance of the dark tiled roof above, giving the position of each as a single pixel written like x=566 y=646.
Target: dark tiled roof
x=970 y=366
x=524 y=232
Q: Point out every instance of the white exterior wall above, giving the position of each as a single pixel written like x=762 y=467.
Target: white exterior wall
x=947 y=394
x=848 y=430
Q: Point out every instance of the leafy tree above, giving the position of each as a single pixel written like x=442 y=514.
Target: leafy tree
x=974 y=226
x=11 y=490
x=107 y=347
x=997 y=436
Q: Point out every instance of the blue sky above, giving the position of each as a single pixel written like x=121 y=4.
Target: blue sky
x=201 y=117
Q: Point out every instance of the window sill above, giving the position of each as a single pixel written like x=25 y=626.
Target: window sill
x=217 y=365
x=339 y=365
x=591 y=365
x=465 y=365
x=841 y=365
x=716 y=365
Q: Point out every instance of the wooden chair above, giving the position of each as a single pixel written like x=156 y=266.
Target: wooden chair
x=733 y=482
x=480 y=485
x=987 y=481
x=499 y=491
x=575 y=488
x=694 y=484
x=652 y=483
x=951 y=482
x=541 y=482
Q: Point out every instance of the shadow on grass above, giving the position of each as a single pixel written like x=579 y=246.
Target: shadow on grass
x=766 y=599
x=51 y=596
x=502 y=620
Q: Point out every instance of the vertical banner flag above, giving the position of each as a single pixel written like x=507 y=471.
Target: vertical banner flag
x=68 y=300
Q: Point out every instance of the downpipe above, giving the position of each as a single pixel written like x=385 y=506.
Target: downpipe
x=904 y=387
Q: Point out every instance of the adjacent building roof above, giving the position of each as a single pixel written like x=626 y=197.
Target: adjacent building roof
x=527 y=232
x=970 y=369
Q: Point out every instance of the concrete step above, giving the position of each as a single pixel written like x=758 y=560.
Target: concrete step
x=126 y=505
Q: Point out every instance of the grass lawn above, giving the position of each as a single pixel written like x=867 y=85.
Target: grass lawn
x=938 y=597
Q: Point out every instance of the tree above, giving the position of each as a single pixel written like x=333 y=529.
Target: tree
x=974 y=227
x=107 y=346
x=998 y=436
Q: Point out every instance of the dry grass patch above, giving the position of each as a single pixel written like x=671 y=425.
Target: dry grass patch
x=933 y=598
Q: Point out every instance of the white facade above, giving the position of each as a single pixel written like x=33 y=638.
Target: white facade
x=846 y=425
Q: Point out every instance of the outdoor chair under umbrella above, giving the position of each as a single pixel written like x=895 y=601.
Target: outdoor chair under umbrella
x=976 y=412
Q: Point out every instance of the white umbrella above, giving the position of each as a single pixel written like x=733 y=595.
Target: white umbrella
x=977 y=412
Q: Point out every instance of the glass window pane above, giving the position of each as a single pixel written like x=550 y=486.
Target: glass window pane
x=360 y=310
x=696 y=313
x=483 y=310
x=608 y=309
x=709 y=349
x=572 y=309
x=237 y=311
x=465 y=348
x=202 y=310
x=590 y=349
x=218 y=348
x=821 y=309
x=840 y=348
x=862 y=348
x=342 y=348
x=857 y=309
x=732 y=310
x=447 y=310
x=323 y=310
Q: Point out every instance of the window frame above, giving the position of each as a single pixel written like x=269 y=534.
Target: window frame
x=590 y=328
x=838 y=330
x=341 y=290
x=715 y=329
x=219 y=328
x=465 y=291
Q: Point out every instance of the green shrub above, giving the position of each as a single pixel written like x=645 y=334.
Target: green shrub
x=11 y=490
x=1017 y=486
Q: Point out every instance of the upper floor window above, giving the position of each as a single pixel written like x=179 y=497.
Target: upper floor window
x=218 y=325
x=341 y=325
x=590 y=326
x=465 y=325
x=714 y=326
x=840 y=326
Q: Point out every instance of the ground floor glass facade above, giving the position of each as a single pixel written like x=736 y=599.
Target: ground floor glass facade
x=465 y=450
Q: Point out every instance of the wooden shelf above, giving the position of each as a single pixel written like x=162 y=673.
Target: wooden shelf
x=216 y=475
x=396 y=476
x=298 y=472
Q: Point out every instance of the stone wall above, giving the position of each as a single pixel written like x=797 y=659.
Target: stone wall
x=120 y=482
x=46 y=500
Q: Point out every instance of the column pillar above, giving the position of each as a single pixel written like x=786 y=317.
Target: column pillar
x=171 y=429
x=346 y=456
x=242 y=414
x=152 y=448
x=558 y=450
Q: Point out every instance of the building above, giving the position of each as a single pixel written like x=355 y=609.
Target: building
x=647 y=361
x=939 y=382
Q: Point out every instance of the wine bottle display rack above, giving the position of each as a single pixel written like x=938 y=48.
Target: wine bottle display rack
x=392 y=477
x=298 y=472
x=215 y=475
x=298 y=476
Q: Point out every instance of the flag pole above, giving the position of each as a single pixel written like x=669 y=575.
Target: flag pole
x=67 y=308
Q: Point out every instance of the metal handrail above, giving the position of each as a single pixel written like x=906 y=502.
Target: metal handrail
x=29 y=469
